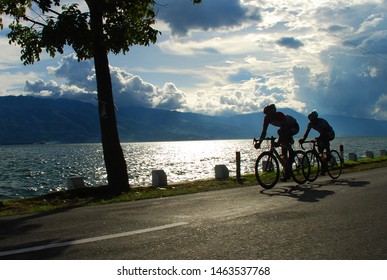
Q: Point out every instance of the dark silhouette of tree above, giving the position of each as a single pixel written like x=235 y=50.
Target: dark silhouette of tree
x=108 y=26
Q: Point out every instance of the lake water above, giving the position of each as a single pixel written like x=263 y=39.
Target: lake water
x=29 y=170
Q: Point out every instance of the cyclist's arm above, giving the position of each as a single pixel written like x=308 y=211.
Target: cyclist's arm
x=264 y=129
x=306 y=133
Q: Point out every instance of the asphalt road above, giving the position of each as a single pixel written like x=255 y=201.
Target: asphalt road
x=344 y=219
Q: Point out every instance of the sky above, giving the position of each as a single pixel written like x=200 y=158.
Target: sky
x=227 y=57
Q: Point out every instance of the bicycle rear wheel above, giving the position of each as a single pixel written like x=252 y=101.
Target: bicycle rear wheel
x=267 y=170
x=300 y=168
x=314 y=165
x=334 y=164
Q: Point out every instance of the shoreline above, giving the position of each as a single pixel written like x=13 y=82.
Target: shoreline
x=90 y=196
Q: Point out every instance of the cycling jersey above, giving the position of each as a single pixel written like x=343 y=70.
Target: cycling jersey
x=287 y=124
x=326 y=133
x=322 y=126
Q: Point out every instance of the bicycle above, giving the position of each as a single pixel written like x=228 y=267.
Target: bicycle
x=267 y=165
x=333 y=164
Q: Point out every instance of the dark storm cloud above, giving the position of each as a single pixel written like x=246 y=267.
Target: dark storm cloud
x=290 y=42
x=337 y=28
x=75 y=72
x=354 y=83
x=376 y=43
x=354 y=86
x=182 y=15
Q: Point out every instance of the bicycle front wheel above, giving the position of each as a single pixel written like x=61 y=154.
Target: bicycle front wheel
x=314 y=165
x=267 y=170
x=300 y=168
x=334 y=164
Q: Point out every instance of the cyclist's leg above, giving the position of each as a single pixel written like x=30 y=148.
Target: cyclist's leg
x=290 y=132
x=327 y=142
x=284 y=140
x=286 y=152
x=321 y=148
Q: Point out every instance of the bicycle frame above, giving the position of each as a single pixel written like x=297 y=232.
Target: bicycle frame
x=267 y=166
x=273 y=149
x=332 y=163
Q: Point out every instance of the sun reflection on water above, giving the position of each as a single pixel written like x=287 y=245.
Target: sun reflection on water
x=182 y=161
x=38 y=169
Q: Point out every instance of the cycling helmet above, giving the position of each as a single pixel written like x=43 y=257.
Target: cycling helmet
x=269 y=109
x=312 y=115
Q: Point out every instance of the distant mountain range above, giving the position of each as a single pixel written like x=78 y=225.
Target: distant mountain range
x=27 y=119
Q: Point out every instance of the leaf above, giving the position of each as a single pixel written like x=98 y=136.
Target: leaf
x=125 y=23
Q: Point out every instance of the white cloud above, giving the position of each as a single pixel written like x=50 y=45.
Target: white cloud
x=129 y=90
x=169 y=97
x=9 y=55
x=227 y=57
x=371 y=22
x=12 y=83
x=380 y=111
x=220 y=45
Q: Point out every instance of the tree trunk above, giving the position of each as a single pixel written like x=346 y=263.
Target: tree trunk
x=115 y=163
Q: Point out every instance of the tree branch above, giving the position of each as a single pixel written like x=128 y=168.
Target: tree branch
x=54 y=12
x=34 y=21
x=48 y=9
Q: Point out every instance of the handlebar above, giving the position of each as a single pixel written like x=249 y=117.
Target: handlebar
x=272 y=138
x=313 y=141
x=256 y=141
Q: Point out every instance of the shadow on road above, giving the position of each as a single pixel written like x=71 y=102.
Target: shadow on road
x=312 y=192
x=304 y=193
x=350 y=183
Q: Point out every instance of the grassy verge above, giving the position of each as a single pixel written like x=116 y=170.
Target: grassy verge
x=96 y=196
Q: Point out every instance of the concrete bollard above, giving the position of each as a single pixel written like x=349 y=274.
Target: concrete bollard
x=159 y=178
x=221 y=172
x=383 y=153
x=369 y=154
x=352 y=157
x=75 y=182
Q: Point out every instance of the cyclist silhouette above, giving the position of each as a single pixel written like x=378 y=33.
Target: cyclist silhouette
x=288 y=127
x=327 y=133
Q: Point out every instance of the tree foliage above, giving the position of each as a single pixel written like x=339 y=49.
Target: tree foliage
x=45 y=25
